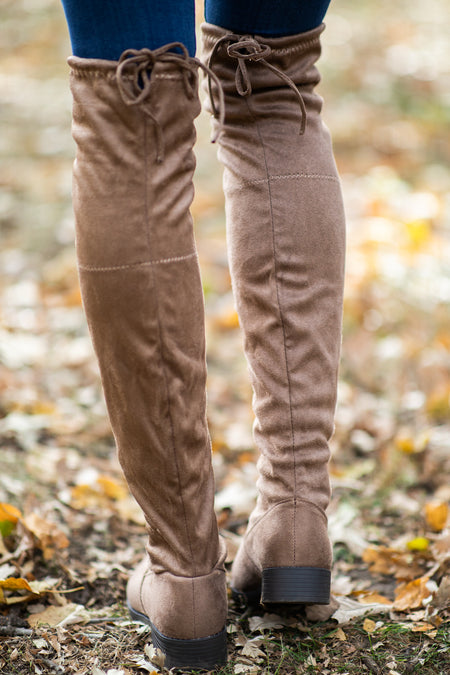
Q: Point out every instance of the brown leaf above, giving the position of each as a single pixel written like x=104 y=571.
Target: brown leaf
x=340 y=635
x=369 y=597
x=436 y=514
x=51 y=616
x=442 y=598
x=412 y=594
x=422 y=627
x=390 y=561
x=317 y=613
x=49 y=537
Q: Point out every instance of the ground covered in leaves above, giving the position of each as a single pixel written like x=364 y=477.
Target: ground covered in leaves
x=70 y=533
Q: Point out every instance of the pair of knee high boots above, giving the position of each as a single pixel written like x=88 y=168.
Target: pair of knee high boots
x=133 y=123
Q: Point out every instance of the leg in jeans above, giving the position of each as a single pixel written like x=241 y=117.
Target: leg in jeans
x=103 y=30
x=133 y=123
x=286 y=234
x=272 y=18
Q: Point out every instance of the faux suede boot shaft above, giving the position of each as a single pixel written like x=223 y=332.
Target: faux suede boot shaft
x=286 y=236
x=142 y=293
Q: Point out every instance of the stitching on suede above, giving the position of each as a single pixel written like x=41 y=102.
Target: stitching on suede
x=278 y=296
x=210 y=40
x=289 y=176
x=78 y=72
x=162 y=261
x=299 y=48
x=164 y=368
x=193 y=610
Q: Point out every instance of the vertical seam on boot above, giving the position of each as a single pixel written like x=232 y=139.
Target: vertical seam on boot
x=146 y=174
x=283 y=328
x=194 y=617
x=158 y=323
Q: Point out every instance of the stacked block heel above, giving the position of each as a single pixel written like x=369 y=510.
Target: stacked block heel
x=197 y=654
x=296 y=585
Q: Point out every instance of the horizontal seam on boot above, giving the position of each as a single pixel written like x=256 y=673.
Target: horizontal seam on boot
x=295 y=502
x=163 y=261
x=211 y=40
x=298 y=48
x=290 y=176
x=191 y=578
x=79 y=72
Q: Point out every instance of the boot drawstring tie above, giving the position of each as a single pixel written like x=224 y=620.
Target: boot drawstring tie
x=135 y=74
x=247 y=48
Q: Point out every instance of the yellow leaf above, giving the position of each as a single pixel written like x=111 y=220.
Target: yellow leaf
x=9 y=512
x=405 y=444
x=340 y=635
x=436 y=514
x=227 y=321
x=84 y=496
x=412 y=594
x=419 y=233
x=43 y=408
x=9 y=516
x=13 y=584
x=418 y=544
x=438 y=404
x=369 y=625
x=112 y=489
x=422 y=627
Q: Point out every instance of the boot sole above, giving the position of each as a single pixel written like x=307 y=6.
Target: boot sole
x=296 y=585
x=199 y=653
x=289 y=586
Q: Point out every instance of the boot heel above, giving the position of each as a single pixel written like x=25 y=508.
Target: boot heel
x=204 y=653
x=200 y=653
x=297 y=585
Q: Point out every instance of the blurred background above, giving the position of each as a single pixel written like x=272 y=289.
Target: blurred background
x=386 y=86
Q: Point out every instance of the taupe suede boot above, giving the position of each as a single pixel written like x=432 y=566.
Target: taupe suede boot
x=286 y=235
x=141 y=289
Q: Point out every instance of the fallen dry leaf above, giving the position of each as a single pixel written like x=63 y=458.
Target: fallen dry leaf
x=49 y=537
x=252 y=651
x=246 y=668
x=369 y=625
x=350 y=609
x=436 y=514
x=155 y=655
x=422 y=627
x=9 y=512
x=442 y=597
x=64 y=615
x=390 y=561
x=12 y=584
x=412 y=594
x=369 y=597
x=268 y=622
x=316 y=613
x=340 y=635
x=111 y=488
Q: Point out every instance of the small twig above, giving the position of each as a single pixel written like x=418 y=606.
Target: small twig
x=50 y=664
x=69 y=590
x=15 y=631
x=105 y=620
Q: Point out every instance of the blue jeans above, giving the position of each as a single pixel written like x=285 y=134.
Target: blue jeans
x=100 y=29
